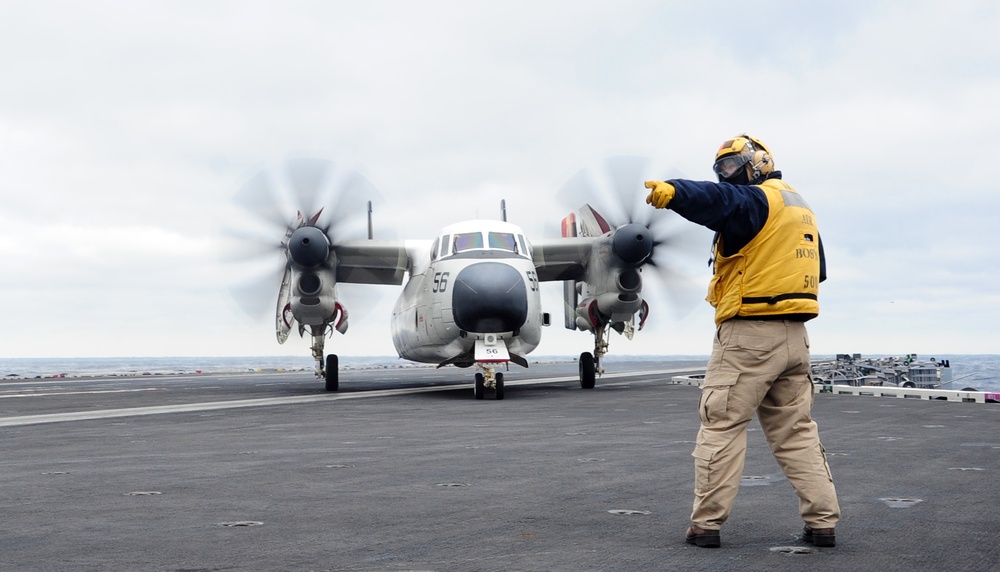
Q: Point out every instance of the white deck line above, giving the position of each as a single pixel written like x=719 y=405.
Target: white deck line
x=875 y=391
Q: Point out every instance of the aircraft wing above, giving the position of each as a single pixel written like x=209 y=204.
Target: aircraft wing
x=371 y=261
x=561 y=258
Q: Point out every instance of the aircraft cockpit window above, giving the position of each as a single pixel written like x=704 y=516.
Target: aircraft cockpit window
x=444 y=244
x=468 y=241
x=524 y=248
x=503 y=240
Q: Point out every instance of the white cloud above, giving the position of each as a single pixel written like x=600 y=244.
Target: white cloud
x=126 y=129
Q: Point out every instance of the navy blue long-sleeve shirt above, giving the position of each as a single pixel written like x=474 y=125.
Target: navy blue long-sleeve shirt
x=735 y=212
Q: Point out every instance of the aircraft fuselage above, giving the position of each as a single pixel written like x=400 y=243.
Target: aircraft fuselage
x=479 y=280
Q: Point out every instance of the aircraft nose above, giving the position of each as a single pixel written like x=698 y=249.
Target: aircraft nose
x=490 y=297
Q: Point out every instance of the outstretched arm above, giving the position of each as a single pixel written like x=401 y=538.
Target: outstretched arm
x=737 y=212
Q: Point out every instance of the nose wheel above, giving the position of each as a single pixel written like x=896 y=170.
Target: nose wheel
x=488 y=379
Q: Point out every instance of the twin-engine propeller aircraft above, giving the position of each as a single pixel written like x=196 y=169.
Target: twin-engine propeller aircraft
x=471 y=295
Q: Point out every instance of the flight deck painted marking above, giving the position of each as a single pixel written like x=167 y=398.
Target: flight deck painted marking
x=119 y=379
x=265 y=402
x=95 y=391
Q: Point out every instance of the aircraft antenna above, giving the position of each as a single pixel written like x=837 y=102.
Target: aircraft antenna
x=503 y=210
x=370 y=233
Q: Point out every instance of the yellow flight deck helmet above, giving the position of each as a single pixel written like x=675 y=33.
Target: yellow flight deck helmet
x=739 y=151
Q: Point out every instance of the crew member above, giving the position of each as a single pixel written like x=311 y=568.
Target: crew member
x=768 y=263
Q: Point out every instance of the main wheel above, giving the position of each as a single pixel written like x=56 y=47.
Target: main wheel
x=588 y=370
x=499 y=381
x=480 y=383
x=332 y=372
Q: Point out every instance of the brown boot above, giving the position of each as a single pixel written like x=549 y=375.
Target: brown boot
x=703 y=538
x=825 y=537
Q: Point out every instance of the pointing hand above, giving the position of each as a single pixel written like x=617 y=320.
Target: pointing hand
x=660 y=195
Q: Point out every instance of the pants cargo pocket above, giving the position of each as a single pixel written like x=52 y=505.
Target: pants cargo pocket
x=715 y=397
x=703 y=465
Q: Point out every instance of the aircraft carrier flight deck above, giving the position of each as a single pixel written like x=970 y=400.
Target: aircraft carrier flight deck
x=405 y=470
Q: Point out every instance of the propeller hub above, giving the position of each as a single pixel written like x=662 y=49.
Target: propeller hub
x=633 y=243
x=308 y=246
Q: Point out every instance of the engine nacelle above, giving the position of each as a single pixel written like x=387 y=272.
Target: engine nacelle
x=612 y=289
x=314 y=298
x=619 y=307
x=610 y=293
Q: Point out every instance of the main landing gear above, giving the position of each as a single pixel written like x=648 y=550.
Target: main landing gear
x=590 y=363
x=588 y=370
x=331 y=372
x=488 y=379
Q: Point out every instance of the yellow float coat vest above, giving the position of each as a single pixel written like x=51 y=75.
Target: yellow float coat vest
x=777 y=272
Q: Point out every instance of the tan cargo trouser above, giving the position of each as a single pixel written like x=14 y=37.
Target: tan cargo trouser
x=760 y=367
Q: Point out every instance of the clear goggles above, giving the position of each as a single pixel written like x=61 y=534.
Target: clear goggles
x=728 y=166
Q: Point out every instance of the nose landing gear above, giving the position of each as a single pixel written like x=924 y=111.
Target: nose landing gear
x=488 y=379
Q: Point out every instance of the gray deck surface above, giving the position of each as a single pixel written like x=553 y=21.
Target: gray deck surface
x=551 y=478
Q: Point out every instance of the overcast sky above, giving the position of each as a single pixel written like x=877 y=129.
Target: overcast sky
x=127 y=127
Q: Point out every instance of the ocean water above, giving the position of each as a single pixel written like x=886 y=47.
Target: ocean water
x=981 y=372
x=85 y=366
